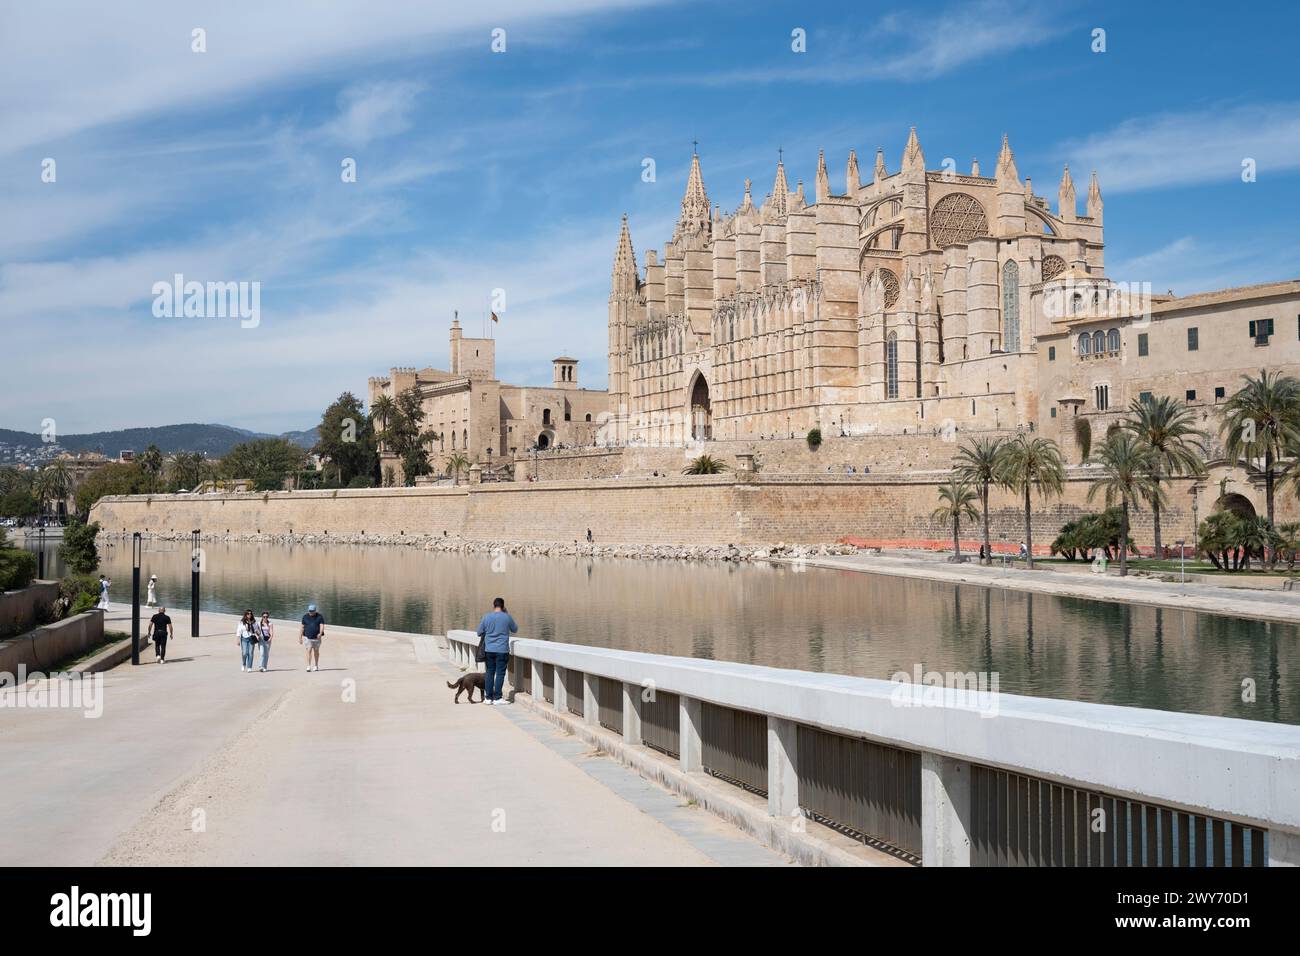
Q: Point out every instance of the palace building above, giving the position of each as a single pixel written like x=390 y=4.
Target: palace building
x=921 y=300
x=489 y=422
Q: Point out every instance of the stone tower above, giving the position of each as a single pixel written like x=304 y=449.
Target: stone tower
x=625 y=285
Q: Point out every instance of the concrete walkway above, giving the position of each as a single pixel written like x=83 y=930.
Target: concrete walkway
x=366 y=761
x=1211 y=599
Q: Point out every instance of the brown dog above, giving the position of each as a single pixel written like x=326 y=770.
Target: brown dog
x=467 y=682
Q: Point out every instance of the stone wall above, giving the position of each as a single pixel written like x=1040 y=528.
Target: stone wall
x=18 y=608
x=48 y=645
x=892 y=510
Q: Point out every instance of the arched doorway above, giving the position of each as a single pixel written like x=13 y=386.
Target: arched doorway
x=1238 y=504
x=543 y=441
x=701 y=410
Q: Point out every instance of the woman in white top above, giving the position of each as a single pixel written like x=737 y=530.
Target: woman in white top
x=247 y=635
x=153 y=593
x=265 y=631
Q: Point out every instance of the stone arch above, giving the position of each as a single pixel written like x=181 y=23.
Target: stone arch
x=1239 y=505
x=543 y=441
x=700 y=408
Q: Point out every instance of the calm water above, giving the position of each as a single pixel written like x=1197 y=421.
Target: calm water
x=820 y=620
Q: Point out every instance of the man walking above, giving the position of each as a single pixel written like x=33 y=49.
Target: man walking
x=495 y=629
x=313 y=629
x=160 y=626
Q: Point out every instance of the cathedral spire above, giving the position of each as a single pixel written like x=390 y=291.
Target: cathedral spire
x=625 y=272
x=823 y=186
x=1094 y=199
x=1007 y=171
x=880 y=172
x=975 y=166
x=1067 y=206
x=780 y=189
x=913 y=158
x=695 y=204
x=748 y=201
x=852 y=179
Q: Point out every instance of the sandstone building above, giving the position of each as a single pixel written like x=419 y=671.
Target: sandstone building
x=918 y=301
x=473 y=414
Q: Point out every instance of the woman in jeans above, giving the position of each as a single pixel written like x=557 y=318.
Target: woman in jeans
x=265 y=631
x=247 y=634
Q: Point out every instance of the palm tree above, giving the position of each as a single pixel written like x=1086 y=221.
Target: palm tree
x=977 y=463
x=1128 y=475
x=705 y=465
x=1289 y=542
x=958 y=499
x=1165 y=425
x=1031 y=464
x=455 y=465
x=1262 y=420
x=381 y=411
x=56 y=482
x=151 y=463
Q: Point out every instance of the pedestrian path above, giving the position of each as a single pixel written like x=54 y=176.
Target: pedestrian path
x=366 y=761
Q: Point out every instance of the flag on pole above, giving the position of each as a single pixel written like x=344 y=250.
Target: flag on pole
x=494 y=317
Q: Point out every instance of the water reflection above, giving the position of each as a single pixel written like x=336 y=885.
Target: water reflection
x=837 y=621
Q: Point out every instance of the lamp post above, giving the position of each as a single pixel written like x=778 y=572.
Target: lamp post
x=1182 y=561
x=136 y=547
x=40 y=553
x=196 y=563
x=1196 y=529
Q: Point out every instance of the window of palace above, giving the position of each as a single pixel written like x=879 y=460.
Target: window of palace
x=1085 y=343
x=1099 y=341
x=1260 y=330
x=1144 y=397
x=1193 y=339
x=1218 y=392
x=1051 y=357
x=1143 y=343
x=1112 y=340
x=1101 y=396
x=1191 y=394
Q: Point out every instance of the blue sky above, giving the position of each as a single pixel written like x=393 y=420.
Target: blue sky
x=479 y=170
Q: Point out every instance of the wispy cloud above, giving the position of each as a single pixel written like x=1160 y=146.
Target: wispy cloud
x=1185 y=148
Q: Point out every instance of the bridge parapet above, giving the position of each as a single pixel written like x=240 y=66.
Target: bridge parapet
x=942 y=775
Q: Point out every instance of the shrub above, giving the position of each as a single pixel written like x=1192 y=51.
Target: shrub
x=705 y=465
x=814 y=438
x=77 y=593
x=17 y=569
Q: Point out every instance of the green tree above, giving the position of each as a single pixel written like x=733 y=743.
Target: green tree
x=151 y=463
x=1026 y=465
x=79 y=551
x=264 y=461
x=56 y=483
x=188 y=470
x=346 y=440
x=19 y=503
x=705 y=465
x=957 y=500
x=382 y=412
x=456 y=463
x=1128 y=476
x=115 y=478
x=977 y=463
x=1167 y=427
x=405 y=436
x=1261 y=420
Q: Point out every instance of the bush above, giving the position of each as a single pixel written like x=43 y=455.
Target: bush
x=17 y=569
x=814 y=438
x=78 y=550
x=77 y=593
x=361 y=481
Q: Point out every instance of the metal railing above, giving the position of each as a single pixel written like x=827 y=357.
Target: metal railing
x=1025 y=782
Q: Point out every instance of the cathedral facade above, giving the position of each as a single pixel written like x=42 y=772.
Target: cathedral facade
x=910 y=302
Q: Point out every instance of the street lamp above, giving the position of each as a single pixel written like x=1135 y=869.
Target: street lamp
x=1196 y=530
x=1182 y=561
x=40 y=553
x=136 y=548
x=196 y=564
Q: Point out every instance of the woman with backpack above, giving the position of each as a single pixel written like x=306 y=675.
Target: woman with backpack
x=247 y=634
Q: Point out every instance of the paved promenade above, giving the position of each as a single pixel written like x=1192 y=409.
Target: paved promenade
x=195 y=763
x=1212 y=599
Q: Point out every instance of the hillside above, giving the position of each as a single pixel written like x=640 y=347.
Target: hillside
x=213 y=440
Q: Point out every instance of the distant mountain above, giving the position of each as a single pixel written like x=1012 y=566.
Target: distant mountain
x=213 y=440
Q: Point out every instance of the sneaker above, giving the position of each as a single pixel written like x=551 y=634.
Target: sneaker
x=242 y=667
x=263 y=670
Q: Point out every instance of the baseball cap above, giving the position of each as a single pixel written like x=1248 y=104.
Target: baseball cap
x=311 y=607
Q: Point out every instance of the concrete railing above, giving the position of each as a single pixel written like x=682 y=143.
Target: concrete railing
x=18 y=609
x=1090 y=784
x=45 y=647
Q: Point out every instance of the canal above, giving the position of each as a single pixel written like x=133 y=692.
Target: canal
x=820 y=620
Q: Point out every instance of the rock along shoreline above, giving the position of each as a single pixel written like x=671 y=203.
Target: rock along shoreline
x=452 y=544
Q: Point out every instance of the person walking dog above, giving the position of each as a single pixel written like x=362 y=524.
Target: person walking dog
x=494 y=630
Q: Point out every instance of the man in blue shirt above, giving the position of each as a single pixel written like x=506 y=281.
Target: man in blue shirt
x=494 y=631
x=313 y=629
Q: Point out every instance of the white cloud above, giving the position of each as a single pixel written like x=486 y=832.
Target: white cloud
x=1181 y=149
x=369 y=111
